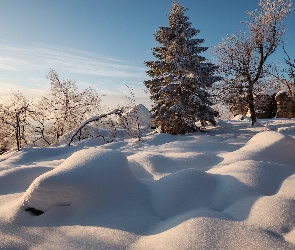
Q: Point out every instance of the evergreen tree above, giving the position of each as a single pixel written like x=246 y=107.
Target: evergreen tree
x=180 y=77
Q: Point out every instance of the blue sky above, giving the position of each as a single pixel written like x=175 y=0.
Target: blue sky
x=101 y=43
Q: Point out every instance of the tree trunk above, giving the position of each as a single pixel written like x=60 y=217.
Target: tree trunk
x=251 y=105
x=17 y=131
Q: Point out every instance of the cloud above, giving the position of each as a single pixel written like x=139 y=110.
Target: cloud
x=38 y=57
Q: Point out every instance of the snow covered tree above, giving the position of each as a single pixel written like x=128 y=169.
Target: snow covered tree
x=180 y=77
x=290 y=83
x=243 y=56
x=284 y=76
x=16 y=122
x=64 y=108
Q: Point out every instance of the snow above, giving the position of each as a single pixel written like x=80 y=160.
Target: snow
x=89 y=175
x=230 y=187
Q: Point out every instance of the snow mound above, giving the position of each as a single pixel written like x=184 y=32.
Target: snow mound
x=22 y=178
x=158 y=165
x=287 y=189
x=273 y=213
x=102 y=175
x=290 y=131
x=139 y=114
x=31 y=155
x=202 y=231
x=261 y=177
x=181 y=192
x=268 y=146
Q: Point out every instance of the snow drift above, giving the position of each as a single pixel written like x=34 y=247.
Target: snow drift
x=89 y=174
x=199 y=191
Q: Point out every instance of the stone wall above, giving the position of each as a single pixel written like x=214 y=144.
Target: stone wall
x=265 y=106
x=286 y=105
x=278 y=105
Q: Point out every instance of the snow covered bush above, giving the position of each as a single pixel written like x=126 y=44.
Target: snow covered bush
x=136 y=121
x=180 y=77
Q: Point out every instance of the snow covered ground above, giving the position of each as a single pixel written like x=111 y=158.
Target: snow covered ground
x=231 y=187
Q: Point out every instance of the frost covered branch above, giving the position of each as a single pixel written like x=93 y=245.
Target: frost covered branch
x=93 y=119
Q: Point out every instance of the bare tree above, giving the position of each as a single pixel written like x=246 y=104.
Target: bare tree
x=243 y=56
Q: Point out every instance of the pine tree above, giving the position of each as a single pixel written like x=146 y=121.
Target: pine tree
x=180 y=77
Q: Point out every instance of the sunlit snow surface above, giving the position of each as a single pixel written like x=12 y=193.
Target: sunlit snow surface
x=230 y=187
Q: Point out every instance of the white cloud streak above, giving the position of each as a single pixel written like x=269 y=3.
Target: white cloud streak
x=19 y=58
